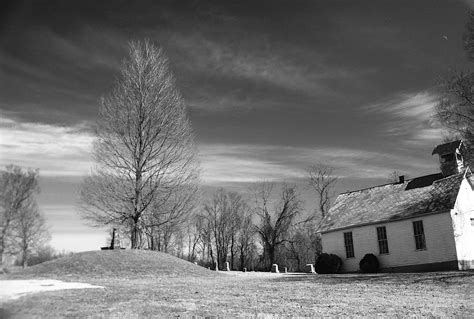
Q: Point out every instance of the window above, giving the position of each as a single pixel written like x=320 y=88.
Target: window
x=419 y=234
x=382 y=239
x=349 y=245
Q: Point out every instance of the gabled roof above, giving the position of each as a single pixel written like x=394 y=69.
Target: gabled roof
x=391 y=202
x=446 y=148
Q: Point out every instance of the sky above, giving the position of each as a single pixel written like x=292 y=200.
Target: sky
x=271 y=88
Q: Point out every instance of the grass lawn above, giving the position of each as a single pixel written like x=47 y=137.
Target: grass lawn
x=169 y=290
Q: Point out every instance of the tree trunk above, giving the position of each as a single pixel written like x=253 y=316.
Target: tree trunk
x=134 y=236
x=242 y=258
x=212 y=256
x=232 y=252
x=2 y=242
x=271 y=255
x=25 y=261
x=1 y=250
x=25 y=254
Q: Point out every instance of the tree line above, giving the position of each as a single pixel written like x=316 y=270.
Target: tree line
x=253 y=230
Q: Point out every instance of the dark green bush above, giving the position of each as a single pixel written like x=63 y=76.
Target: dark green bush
x=369 y=263
x=327 y=264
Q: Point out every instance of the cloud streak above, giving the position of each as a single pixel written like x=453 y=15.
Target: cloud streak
x=409 y=117
x=250 y=163
x=55 y=150
x=66 y=151
x=264 y=64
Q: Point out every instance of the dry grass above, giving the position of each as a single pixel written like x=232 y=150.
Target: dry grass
x=114 y=263
x=170 y=292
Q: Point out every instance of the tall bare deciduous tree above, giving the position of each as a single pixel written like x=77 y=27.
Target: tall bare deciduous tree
x=17 y=188
x=31 y=231
x=455 y=107
x=144 y=148
x=223 y=213
x=303 y=245
x=322 y=180
x=245 y=239
x=275 y=223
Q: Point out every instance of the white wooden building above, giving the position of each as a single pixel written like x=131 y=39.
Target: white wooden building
x=422 y=224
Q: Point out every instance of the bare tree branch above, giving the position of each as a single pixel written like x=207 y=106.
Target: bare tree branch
x=144 y=149
x=273 y=227
x=455 y=108
x=322 y=180
x=17 y=187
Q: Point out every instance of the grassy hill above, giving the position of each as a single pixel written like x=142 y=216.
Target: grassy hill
x=116 y=263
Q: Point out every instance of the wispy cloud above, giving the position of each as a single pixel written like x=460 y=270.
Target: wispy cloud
x=409 y=116
x=65 y=151
x=249 y=163
x=264 y=63
x=55 y=150
x=60 y=74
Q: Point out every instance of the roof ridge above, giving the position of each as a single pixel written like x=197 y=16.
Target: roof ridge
x=392 y=183
x=376 y=186
x=447 y=177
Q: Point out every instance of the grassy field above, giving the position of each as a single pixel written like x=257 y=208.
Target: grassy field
x=154 y=284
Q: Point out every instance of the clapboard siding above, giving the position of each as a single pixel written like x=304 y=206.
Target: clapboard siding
x=440 y=246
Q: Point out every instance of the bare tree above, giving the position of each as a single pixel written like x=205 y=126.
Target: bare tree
x=144 y=148
x=223 y=215
x=455 y=108
x=31 y=230
x=17 y=188
x=274 y=225
x=304 y=244
x=245 y=240
x=194 y=235
x=322 y=180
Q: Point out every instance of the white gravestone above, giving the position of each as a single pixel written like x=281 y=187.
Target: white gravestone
x=275 y=268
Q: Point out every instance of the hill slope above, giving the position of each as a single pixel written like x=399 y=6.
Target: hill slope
x=117 y=263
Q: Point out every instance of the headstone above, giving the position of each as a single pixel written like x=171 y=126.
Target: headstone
x=275 y=268
x=227 y=267
x=285 y=270
x=195 y=263
x=245 y=269
x=310 y=269
x=116 y=241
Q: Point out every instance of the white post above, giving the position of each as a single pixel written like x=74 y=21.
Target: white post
x=275 y=268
